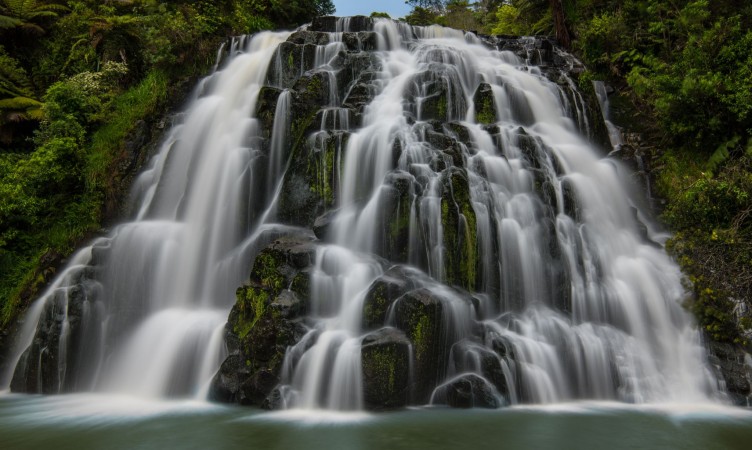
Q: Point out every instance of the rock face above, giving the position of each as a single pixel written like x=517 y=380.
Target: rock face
x=266 y=319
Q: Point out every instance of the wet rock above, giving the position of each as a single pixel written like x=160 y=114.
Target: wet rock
x=393 y=221
x=266 y=319
x=459 y=231
x=361 y=41
x=311 y=184
x=382 y=293
x=468 y=391
x=311 y=37
x=469 y=356
x=333 y=24
x=385 y=359
x=266 y=106
x=66 y=313
x=323 y=223
x=485 y=105
x=571 y=203
x=734 y=367
x=419 y=314
x=459 y=132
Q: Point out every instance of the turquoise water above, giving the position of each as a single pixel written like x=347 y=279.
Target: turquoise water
x=108 y=422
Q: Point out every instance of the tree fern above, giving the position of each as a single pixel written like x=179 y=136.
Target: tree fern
x=25 y=14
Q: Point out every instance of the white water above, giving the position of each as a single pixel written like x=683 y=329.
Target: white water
x=565 y=283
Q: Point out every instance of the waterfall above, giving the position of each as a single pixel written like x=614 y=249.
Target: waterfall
x=474 y=246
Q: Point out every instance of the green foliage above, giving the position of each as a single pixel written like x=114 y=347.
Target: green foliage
x=27 y=14
x=508 y=21
x=421 y=16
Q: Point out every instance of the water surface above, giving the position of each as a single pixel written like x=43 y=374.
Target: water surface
x=112 y=422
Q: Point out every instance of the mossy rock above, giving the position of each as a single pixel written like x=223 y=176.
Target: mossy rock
x=419 y=313
x=460 y=232
x=485 y=105
x=385 y=360
x=311 y=184
x=393 y=221
x=382 y=293
x=266 y=106
x=266 y=319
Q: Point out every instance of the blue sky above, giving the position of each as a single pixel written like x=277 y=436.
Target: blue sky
x=395 y=8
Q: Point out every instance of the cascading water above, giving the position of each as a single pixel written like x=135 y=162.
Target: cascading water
x=475 y=249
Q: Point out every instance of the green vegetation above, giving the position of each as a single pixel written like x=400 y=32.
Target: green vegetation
x=76 y=80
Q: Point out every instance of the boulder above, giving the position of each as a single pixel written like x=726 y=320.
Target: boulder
x=266 y=319
x=385 y=359
x=382 y=294
x=419 y=313
x=468 y=391
x=485 y=105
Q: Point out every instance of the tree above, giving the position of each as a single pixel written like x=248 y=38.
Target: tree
x=459 y=15
x=436 y=6
x=421 y=16
x=560 y=24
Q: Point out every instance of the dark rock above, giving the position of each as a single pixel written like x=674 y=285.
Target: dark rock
x=274 y=401
x=266 y=106
x=333 y=24
x=323 y=222
x=459 y=132
x=468 y=391
x=730 y=362
x=469 y=356
x=325 y=23
x=302 y=37
x=265 y=320
x=385 y=359
x=382 y=294
x=419 y=314
x=571 y=203
x=361 y=41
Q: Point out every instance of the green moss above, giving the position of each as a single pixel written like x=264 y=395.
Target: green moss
x=375 y=306
x=321 y=170
x=421 y=337
x=383 y=367
x=251 y=305
x=441 y=107
x=460 y=233
x=266 y=270
x=485 y=110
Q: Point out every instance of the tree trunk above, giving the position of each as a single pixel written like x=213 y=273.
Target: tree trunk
x=560 y=25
